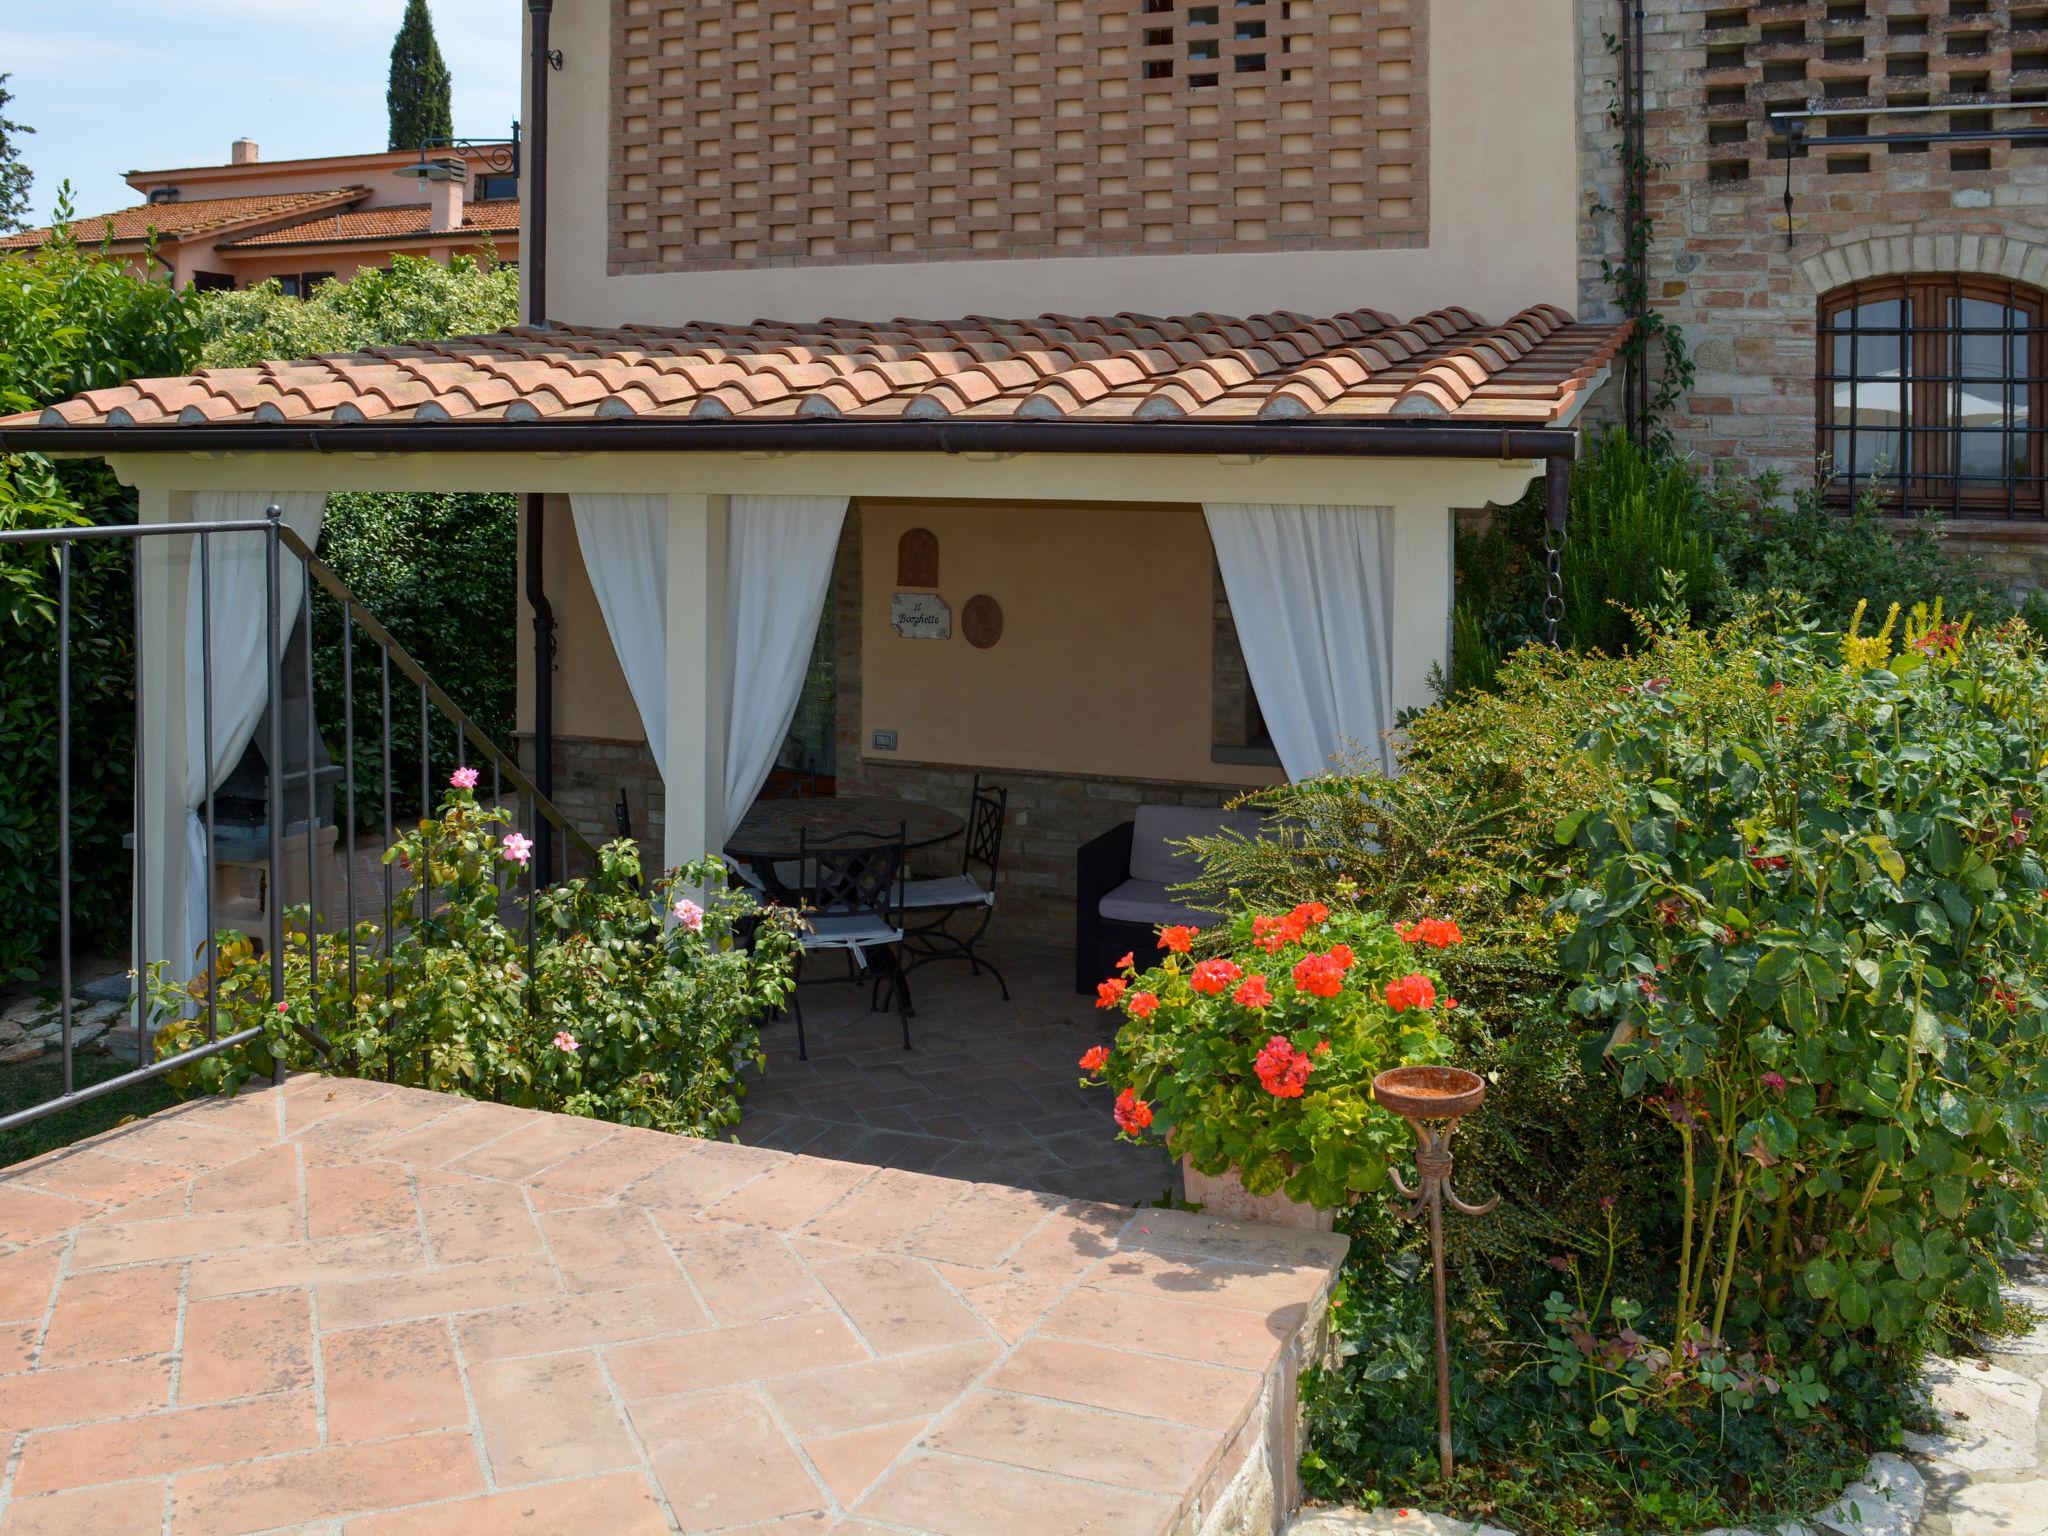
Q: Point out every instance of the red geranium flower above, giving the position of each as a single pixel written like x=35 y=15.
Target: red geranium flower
x=1322 y=1047
x=1412 y=991
x=1178 y=938
x=1341 y=953
x=1109 y=993
x=1252 y=994
x=1283 y=1071
x=1215 y=976
x=1129 y=961
x=1319 y=975
x=1132 y=1113
x=1095 y=1058
x=1142 y=1005
x=1436 y=932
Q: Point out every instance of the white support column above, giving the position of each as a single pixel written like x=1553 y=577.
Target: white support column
x=1423 y=589
x=165 y=566
x=699 y=678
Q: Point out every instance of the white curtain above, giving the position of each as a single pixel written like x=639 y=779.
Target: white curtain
x=236 y=619
x=1311 y=589
x=779 y=552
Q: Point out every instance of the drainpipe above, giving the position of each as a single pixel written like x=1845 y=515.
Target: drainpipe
x=533 y=250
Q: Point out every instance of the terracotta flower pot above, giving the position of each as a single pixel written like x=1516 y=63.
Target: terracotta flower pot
x=1224 y=1194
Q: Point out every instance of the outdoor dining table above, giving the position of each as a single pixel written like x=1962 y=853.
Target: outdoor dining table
x=780 y=831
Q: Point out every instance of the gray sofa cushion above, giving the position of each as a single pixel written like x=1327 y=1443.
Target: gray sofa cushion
x=1147 y=902
x=1157 y=826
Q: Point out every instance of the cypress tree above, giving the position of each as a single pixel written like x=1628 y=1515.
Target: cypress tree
x=418 y=95
x=14 y=176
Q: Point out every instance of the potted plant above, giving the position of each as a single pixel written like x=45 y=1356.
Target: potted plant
x=1256 y=1062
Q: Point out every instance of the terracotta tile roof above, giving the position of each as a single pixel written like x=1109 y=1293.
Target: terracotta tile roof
x=404 y=221
x=1358 y=366
x=183 y=219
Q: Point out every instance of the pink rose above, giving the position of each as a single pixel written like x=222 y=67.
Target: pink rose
x=690 y=915
x=463 y=778
x=564 y=1041
x=518 y=848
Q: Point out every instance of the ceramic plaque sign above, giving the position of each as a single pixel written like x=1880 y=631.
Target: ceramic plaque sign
x=920 y=616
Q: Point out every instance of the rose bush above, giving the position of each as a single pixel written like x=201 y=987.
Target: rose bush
x=1260 y=1058
x=631 y=1004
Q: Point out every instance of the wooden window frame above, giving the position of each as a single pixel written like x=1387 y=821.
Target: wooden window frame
x=1928 y=356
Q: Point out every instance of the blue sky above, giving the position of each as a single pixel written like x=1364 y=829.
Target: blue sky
x=118 y=85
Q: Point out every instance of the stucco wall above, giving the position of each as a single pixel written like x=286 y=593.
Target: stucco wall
x=1104 y=665
x=1503 y=210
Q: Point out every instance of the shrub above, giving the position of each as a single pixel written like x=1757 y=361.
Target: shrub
x=69 y=320
x=412 y=300
x=629 y=1005
x=439 y=572
x=1818 y=935
x=1262 y=1059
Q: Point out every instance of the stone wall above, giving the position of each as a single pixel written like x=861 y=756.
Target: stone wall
x=1739 y=275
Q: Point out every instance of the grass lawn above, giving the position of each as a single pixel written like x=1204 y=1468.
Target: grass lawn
x=21 y=1087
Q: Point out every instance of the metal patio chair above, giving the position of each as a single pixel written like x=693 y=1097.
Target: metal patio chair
x=965 y=893
x=854 y=905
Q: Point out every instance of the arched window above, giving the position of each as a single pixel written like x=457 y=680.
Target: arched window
x=1929 y=389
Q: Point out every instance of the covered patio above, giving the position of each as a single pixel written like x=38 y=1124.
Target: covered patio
x=1107 y=493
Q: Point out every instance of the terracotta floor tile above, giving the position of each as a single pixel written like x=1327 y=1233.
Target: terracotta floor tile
x=342 y=1480
x=80 y=1394
x=970 y=1498
x=579 y=1431
x=29 y=1215
x=899 y=1303
x=747 y=1274
x=1238 y=1242
x=253 y=1111
x=607 y=1247
x=982 y=1226
x=115 y=1511
x=441 y=1140
x=851 y=1463
x=880 y=1392
x=166 y=1442
x=242 y=1346
x=1010 y=1304
x=311 y=1100
x=875 y=1210
x=469 y=1220
x=454 y=1288
x=723 y=1462
x=332 y=1259
x=18 y=1346
x=184 y=1237
x=397 y=1379
x=266 y=1180
x=188 y=1141
x=26 y=1276
x=579 y=1322
x=789 y=1193
x=1070 y=1242
x=362 y=1131
x=539 y=1142
x=618 y=1504
x=113 y=1316
x=1076 y=1442
x=1205 y=1395
x=708 y=1172
x=1186 y=1330
x=603 y=1170
x=752 y=1351
x=347 y=1200
x=1254 y=1289
x=89 y=1174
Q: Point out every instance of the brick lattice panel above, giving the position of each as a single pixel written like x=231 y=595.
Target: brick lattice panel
x=786 y=132
x=1952 y=56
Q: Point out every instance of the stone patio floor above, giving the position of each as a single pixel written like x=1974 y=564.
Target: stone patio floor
x=989 y=1091
x=341 y=1307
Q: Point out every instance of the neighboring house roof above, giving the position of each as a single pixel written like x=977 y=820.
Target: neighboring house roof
x=1359 y=366
x=182 y=219
x=382 y=225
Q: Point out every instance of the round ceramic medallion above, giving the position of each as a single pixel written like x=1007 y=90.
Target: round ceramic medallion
x=981 y=621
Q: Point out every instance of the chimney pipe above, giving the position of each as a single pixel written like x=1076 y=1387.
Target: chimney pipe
x=243 y=152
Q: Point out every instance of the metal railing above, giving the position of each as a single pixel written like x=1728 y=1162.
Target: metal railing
x=467 y=745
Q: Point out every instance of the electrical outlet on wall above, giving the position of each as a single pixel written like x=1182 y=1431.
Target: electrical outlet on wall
x=885 y=741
